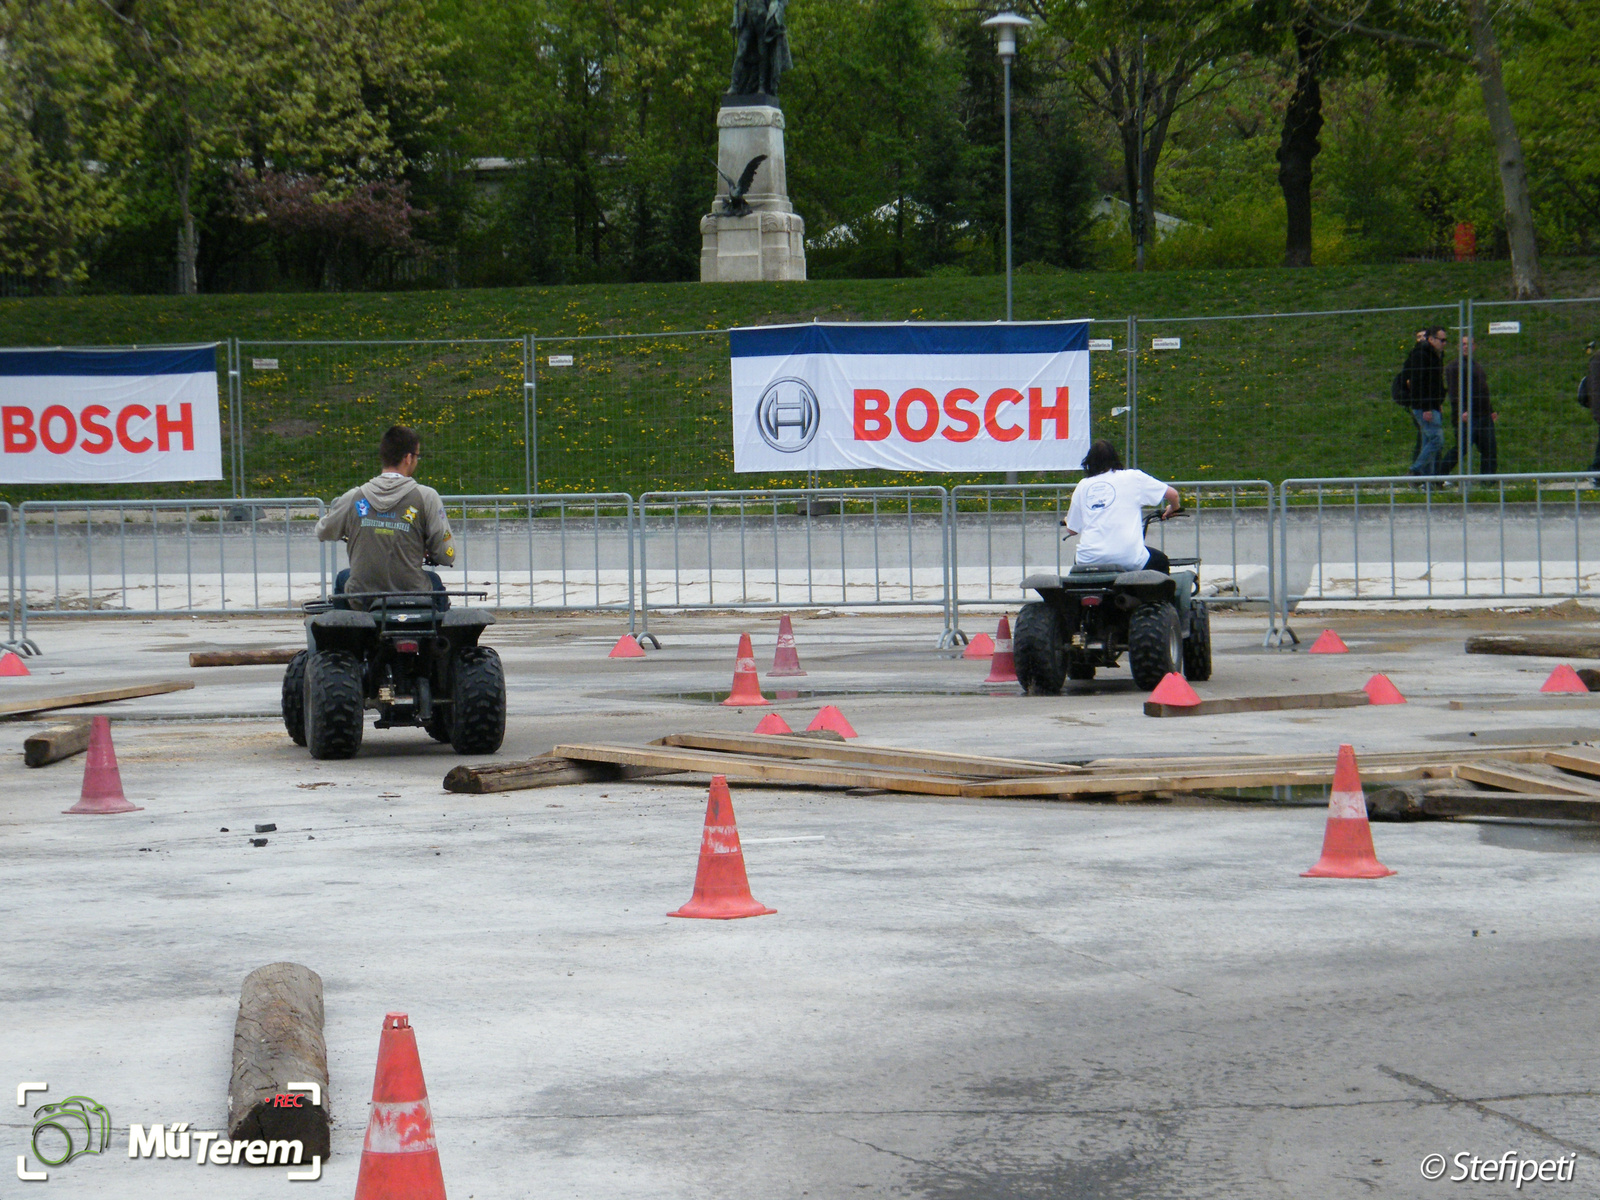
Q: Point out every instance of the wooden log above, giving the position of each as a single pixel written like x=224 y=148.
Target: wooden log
x=1546 y=806
x=1527 y=778
x=785 y=745
x=242 y=658
x=1542 y=645
x=53 y=744
x=745 y=766
x=546 y=771
x=80 y=699
x=1256 y=704
x=277 y=1040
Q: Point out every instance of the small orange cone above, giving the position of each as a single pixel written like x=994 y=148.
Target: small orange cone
x=1380 y=690
x=786 y=661
x=400 y=1159
x=1174 y=689
x=10 y=664
x=772 y=723
x=626 y=647
x=831 y=718
x=1347 y=851
x=102 y=781
x=1003 y=666
x=746 y=685
x=1564 y=679
x=721 y=888
x=981 y=646
x=1329 y=643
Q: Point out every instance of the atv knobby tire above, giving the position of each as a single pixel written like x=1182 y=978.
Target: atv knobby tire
x=1155 y=644
x=1197 y=646
x=294 y=698
x=477 y=701
x=334 y=704
x=1036 y=645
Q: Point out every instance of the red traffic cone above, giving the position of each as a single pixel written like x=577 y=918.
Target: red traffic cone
x=1003 y=667
x=772 y=723
x=981 y=646
x=1329 y=643
x=1347 y=851
x=626 y=647
x=1564 y=679
x=746 y=686
x=721 y=888
x=1380 y=690
x=400 y=1159
x=102 y=781
x=831 y=718
x=10 y=664
x=1174 y=689
x=786 y=661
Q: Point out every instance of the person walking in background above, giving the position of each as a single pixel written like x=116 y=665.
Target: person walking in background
x=1472 y=415
x=1423 y=381
x=1588 y=389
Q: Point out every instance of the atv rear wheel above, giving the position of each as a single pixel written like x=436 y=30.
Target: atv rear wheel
x=334 y=704
x=1197 y=646
x=1155 y=644
x=1036 y=645
x=477 y=701
x=293 y=701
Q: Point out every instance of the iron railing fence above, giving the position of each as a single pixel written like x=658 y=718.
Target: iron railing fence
x=195 y=557
x=793 y=548
x=1501 y=537
x=13 y=643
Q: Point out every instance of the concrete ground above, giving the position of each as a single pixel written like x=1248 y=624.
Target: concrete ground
x=956 y=1000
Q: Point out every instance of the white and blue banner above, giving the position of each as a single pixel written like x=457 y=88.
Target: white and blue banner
x=109 y=416
x=911 y=397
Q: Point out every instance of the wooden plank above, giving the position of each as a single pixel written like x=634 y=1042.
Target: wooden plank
x=1542 y=645
x=277 y=1040
x=1527 y=752
x=54 y=744
x=1585 y=760
x=1524 y=780
x=1256 y=704
x=741 y=766
x=79 y=699
x=545 y=771
x=1547 y=805
x=243 y=658
x=787 y=746
x=1191 y=780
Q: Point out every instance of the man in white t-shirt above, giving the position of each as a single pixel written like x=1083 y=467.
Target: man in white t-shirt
x=1106 y=512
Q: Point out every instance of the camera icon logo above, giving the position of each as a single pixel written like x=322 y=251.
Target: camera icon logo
x=68 y=1128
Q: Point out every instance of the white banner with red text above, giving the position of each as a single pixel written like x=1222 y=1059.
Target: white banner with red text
x=911 y=397
x=109 y=416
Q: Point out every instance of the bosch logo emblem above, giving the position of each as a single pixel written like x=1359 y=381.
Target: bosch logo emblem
x=788 y=415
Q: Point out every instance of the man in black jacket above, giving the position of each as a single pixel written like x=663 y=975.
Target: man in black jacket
x=1423 y=374
x=1472 y=415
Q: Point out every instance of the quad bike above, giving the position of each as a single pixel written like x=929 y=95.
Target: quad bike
x=412 y=663
x=1088 y=617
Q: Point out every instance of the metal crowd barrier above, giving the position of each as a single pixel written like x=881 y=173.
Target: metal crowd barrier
x=834 y=547
x=1229 y=528
x=1499 y=537
x=17 y=645
x=95 y=558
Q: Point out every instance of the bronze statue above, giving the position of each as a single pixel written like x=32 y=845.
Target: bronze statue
x=761 y=46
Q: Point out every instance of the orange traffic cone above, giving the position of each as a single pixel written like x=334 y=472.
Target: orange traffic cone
x=1564 y=679
x=10 y=664
x=1329 y=643
x=1347 y=851
x=1174 y=689
x=721 y=888
x=746 y=686
x=831 y=718
x=772 y=723
x=400 y=1159
x=1003 y=667
x=1380 y=690
x=981 y=646
x=786 y=661
x=626 y=647
x=102 y=781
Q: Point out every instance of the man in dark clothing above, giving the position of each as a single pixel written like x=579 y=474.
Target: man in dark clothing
x=1423 y=374
x=1472 y=415
x=1592 y=390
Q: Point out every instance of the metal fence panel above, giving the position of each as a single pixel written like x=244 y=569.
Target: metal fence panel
x=13 y=643
x=115 y=557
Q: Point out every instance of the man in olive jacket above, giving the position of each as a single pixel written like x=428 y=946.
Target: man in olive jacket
x=1423 y=374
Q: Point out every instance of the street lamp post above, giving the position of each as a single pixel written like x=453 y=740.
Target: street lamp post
x=1007 y=24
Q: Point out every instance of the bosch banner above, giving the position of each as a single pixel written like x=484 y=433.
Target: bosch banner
x=109 y=416
x=911 y=397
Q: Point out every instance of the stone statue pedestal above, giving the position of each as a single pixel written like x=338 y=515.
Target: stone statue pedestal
x=768 y=242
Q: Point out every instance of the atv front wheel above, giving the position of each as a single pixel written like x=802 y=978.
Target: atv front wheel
x=477 y=701
x=1036 y=646
x=334 y=704
x=1197 y=646
x=293 y=701
x=1155 y=644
